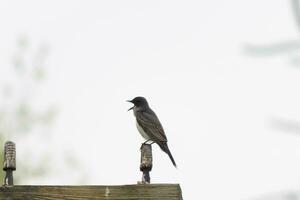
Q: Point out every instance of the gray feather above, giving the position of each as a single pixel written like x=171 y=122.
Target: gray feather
x=151 y=125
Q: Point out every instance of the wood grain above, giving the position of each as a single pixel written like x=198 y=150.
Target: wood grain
x=133 y=192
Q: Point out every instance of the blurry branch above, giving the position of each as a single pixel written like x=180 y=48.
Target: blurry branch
x=279 y=48
x=18 y=95
x=18 y=112
x=20 y=116
x=273 y=49
x=287 y=47
x=286 y=125
x=296 y=10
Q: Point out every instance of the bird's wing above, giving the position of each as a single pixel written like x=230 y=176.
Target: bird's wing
x=151 y=125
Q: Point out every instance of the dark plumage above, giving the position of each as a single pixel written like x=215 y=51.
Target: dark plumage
x=149 y=125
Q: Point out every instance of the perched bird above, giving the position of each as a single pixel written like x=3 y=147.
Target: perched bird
x=149 y=125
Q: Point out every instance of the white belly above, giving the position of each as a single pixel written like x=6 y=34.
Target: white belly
x=142 y=132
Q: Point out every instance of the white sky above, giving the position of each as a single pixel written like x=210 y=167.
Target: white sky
x=221 y=109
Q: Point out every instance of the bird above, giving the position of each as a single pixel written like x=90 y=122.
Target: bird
x=149 y=125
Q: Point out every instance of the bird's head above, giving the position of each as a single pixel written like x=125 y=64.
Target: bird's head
x=138 y=102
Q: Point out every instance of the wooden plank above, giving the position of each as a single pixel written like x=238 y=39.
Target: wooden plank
x=133 y=192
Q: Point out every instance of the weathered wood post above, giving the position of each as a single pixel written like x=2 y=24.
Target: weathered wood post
x=84 y=192
x=146 y=162
x=9 y=164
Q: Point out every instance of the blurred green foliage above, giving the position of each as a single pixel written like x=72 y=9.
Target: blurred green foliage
x=18 y=113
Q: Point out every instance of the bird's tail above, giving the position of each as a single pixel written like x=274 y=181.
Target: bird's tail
x=165 y=148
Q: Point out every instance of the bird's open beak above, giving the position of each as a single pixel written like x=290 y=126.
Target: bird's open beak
x=131 y=107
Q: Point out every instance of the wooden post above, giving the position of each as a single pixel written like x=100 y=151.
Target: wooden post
x=146 y=162
x=9 y=164
x=101 y=192
x=89 y=192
